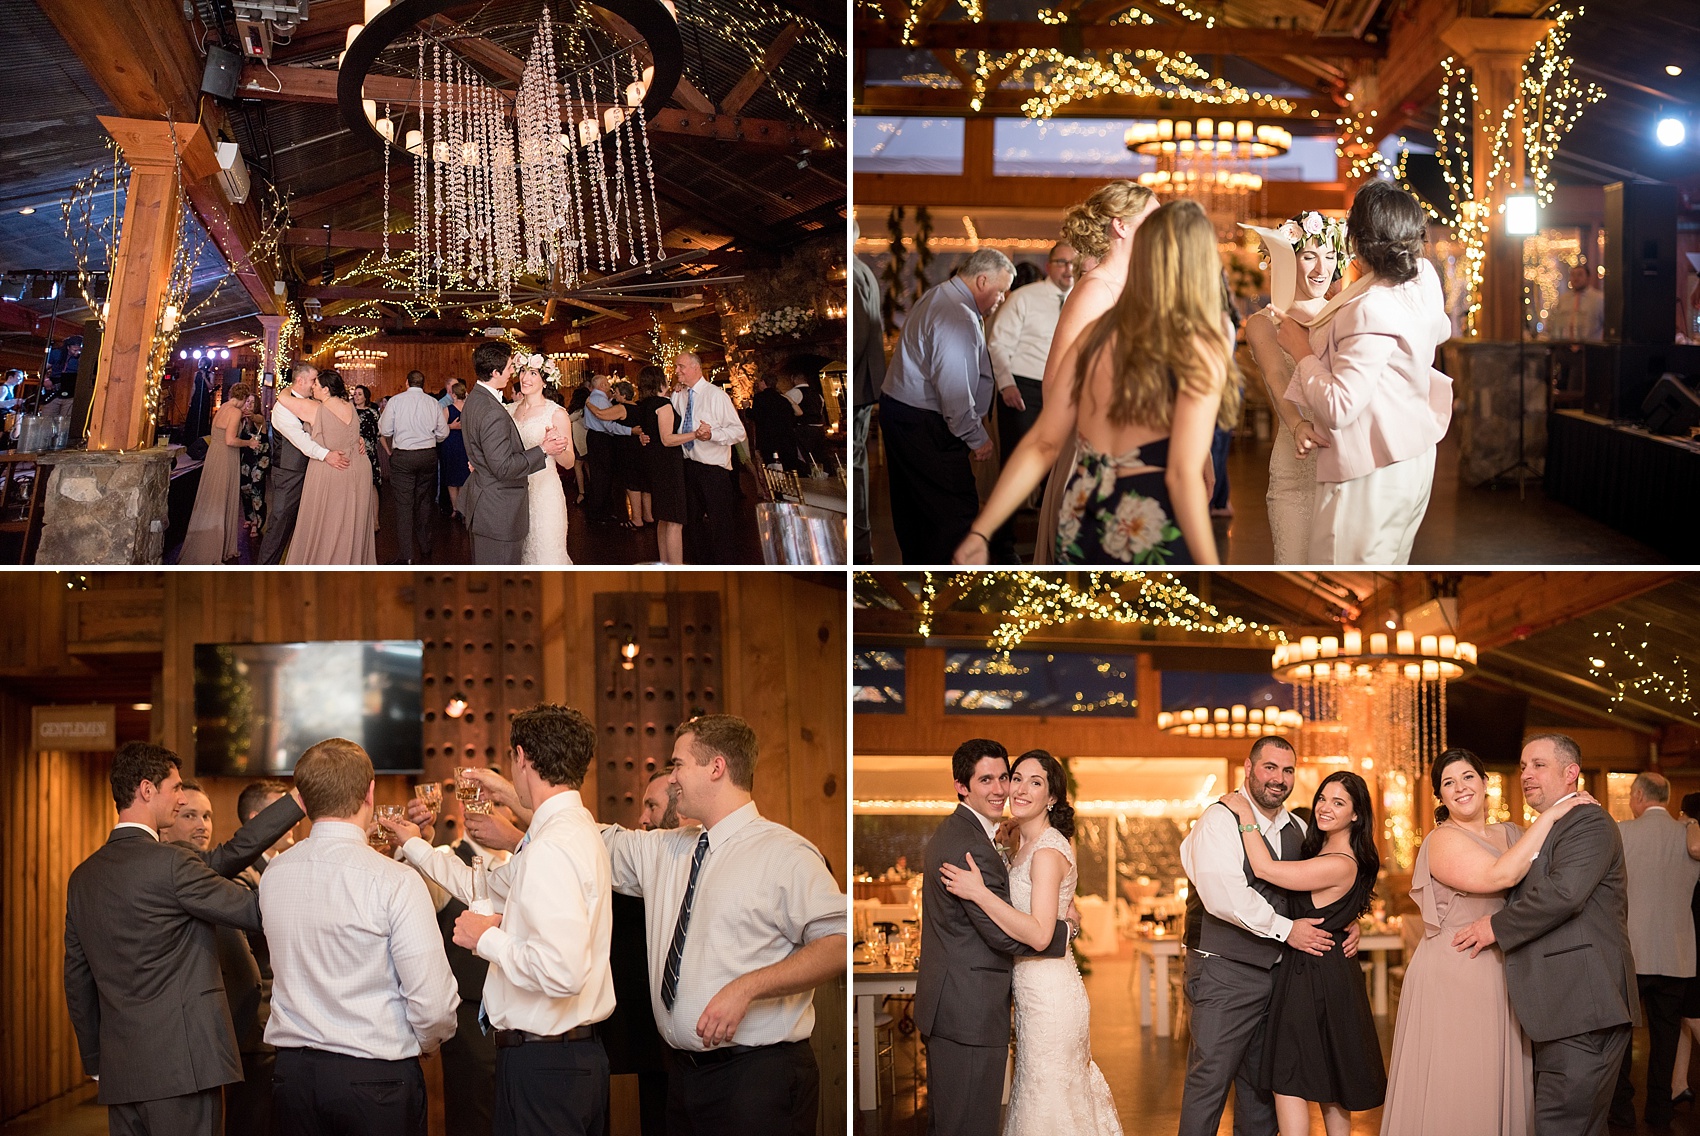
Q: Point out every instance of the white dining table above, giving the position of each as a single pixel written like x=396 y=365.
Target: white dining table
x=870 y=984
x=1151 y=970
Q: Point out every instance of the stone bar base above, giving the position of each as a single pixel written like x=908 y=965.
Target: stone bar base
x=106 y=507
x=1484 y=418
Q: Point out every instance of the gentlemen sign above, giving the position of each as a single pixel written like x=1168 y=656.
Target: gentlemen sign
x=74 y=727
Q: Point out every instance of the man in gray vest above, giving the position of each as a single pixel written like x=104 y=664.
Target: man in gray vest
x=1235 y=925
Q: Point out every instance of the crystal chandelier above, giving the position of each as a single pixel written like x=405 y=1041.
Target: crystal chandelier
x=1204 y=159
x=359 y=358
x=551 y=182
x=1378 y=703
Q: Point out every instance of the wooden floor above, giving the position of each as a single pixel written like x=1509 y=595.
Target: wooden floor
x=1146 y=1072
x=1464 y=525
x=587 y=542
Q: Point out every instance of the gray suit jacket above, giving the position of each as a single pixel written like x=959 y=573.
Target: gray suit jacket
x=244 y=986
x=141 y=968
x=494 y=499
x=868 y=327
x=963 y=992
x=1661 y=885
x=1564 y=931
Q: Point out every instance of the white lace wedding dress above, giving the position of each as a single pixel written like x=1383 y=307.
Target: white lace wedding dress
x=1058 y=1088
x=546 y=539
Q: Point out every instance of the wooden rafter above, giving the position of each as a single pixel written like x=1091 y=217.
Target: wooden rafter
x=948 y=102
x=775 y=54
x=625 y=35
x=1195 y=39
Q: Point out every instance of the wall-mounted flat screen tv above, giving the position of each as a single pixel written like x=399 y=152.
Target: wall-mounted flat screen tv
x=258 y=706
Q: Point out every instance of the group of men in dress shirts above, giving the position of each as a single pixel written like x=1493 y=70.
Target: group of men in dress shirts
x=742 y=921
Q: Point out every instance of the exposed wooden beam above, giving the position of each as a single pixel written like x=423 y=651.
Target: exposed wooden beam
x=758 y=73
x=302 y=207
x=138 y=52
x=318 y=85
x=347 y=239
x=1194 y=39
x=951 y=102
x=626 y=36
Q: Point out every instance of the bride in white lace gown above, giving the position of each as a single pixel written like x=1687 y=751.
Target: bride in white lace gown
x=1317 y=244
x=546 y=539
x=1058 y=1087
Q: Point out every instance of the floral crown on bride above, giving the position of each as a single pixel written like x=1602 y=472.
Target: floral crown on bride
x=543 y=365
x=1311 y=226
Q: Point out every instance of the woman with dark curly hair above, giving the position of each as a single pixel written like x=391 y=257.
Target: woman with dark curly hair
x=1363 y=374
x=1319 y=1040
x=1058 y=1087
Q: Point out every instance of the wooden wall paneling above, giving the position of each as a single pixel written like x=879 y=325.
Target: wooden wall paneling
x=817 y=742
x=676 y=675
x=764 y=687
x=439 y=361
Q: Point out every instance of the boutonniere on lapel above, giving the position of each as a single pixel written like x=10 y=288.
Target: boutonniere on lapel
x=1008 y=839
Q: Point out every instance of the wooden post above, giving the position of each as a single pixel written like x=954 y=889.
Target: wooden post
x=119 y=418
x=273 y=327
x=1494 y=50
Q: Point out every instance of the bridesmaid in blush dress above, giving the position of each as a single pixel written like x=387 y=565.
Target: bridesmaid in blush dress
x=215 y=527
x=335 y=522
x=1461 y=1063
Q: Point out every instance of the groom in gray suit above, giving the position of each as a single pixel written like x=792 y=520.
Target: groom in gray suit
x=1565 y=933
x=494 y=500
x=141 y=968
x=962 y=1000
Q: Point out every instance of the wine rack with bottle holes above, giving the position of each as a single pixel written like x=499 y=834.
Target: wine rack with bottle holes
x=674 y=676
x=483 y=639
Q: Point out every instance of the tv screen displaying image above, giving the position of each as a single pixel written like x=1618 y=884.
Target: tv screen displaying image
x=259 y=706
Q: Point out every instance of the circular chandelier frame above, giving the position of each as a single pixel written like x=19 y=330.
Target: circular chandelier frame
x=651 y=19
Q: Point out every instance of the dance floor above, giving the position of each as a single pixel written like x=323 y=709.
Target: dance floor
x=587 y=543
x=1146 y=1072
x=1464 y=525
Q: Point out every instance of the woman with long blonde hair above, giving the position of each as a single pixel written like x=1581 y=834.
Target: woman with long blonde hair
x=1148 y=383
x=1100 y=228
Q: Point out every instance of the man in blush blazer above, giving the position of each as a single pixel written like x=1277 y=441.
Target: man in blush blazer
x=1364 y=376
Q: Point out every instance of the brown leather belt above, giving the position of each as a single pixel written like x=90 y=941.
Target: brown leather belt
x=508 y=1039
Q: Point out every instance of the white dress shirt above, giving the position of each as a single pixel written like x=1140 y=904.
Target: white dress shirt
x=1579 y=316
x=1213 y=857
x=549 y=958
x=1020 y=335
x=137 y=824
x=714 y=406
x=357 y=959
x=414 y=420
x=285 y=423
x=762 y=893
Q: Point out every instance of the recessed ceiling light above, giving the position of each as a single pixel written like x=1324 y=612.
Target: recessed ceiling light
x=26 y=210
x=1673 y=70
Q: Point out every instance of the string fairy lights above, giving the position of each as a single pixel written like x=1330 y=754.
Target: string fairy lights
x=1548 y=104
x=1625 y=661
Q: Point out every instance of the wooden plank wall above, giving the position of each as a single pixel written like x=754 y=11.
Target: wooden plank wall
x=439 y=361
x=57 y=809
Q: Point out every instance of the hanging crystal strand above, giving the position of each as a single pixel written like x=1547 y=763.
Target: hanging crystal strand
x=457 y=170
x=595 y=168
x=642 y=132
x=437 y=148
x=575 y=222
x=386 y=160
x=421 y=259
x=559 y=221
x=612 y=240
x=622 y=150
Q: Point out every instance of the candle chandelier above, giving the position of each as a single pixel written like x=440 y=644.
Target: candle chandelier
x=552 y=181
x=1235 y=721
x=1378 y=702
x=1205 y=158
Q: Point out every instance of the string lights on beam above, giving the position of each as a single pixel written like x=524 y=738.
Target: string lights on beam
x=1624 y=661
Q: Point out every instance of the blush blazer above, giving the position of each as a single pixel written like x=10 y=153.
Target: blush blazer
x=1371 y=384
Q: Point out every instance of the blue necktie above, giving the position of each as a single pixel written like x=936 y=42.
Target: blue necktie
x=676 y=952
x=690 y=424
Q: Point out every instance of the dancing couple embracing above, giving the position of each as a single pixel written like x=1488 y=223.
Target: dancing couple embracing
x=1517 y=1004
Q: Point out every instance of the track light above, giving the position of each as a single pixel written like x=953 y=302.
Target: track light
x=1671 y=131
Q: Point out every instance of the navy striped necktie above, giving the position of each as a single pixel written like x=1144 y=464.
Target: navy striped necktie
x=676 y=952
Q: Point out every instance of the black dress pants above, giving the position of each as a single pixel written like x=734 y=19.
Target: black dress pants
x=413 y=481
x=469 y=1076
x=602 y=488
x=286 y=479
x=933 y=495
x=552 y=1089
x=192 y=1114
x=1013 y=425
x=767 y=1090
x=315 y=1093
x=1661 y=998
x=711 y=506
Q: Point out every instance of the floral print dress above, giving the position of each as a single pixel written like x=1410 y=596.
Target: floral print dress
x=256 y=463
x=1108 y=517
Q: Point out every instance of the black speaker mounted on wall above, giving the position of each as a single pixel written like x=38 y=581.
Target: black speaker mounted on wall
x=223 y=73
